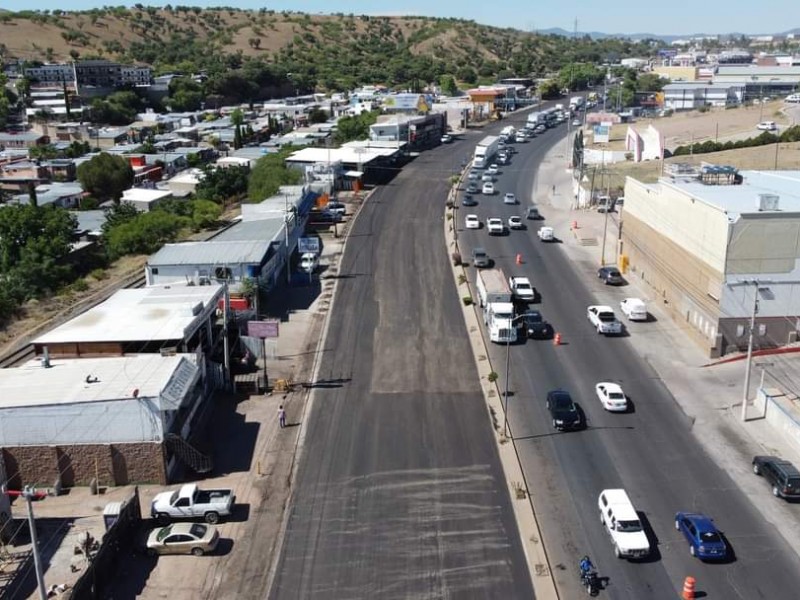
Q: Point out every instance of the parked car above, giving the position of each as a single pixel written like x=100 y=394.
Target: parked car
x=782 y=475
x=495 y=226
x=634 y=308
x=469 y=200
x=336 y=208
x=577 y=122
x=792 y=98
x=515 y=222
x=610 y=275
x=509 y=198
x=563 y=411
x=546 y=234
x=480 y=258
x=535 y=326
x=183 y=538
x=190 y=502
x=472 y=222
x=488 y=188
x=705 y=541
x=446 y=138
x=611 y=396
x=767 y=126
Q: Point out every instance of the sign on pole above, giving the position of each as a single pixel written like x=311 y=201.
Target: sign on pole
x=263 y=329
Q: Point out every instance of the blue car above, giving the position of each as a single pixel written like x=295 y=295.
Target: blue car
x=705 y=542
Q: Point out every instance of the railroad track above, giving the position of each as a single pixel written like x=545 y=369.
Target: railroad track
x=25 y=352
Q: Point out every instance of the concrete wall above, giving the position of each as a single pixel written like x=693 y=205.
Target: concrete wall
x=782 y=413
x=113 y=464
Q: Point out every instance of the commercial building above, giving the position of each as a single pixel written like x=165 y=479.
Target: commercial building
x=759 y=81
x=714 y=244
x=90 y=73
x=693 y=95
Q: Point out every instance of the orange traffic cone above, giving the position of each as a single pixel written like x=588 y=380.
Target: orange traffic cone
x=519 y=259
x=688 y=588
x=557 y=339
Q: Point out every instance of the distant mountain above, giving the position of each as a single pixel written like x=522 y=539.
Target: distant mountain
x=599 y=35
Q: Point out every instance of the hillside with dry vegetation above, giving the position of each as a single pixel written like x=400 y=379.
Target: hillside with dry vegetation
x=320 y=51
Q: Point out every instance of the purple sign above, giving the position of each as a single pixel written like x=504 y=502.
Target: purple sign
x=263 y=329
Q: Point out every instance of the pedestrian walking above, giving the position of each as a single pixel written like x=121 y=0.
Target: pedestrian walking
x=282 y=416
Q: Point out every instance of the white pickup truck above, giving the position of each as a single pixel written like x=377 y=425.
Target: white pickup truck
x=522 y=289
x=604 y=320
x=623 y=525
x=190 y=502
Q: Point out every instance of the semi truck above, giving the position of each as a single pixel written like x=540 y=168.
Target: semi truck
x=576 y=102
x=485 y=151
x=496 y=299
x=509 y=133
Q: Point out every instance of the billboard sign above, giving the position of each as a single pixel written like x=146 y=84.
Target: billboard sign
x=417 y=102
x=602 y=133
x=263 y=329
x=308 y=244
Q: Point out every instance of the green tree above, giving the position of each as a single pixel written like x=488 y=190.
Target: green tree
x=205 y=213
x=221 y=184
x=269 y=173
x=549 y=89
x=448 y=85
x=355 y=127
x=467 y=75
x=106 y=176
x=237 y=118
x=317 y=115
x=118 y=214
x=184 y=94
x=144 y=234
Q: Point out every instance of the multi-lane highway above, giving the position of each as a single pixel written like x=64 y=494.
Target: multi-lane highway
x=651 y=451
x=399 y=492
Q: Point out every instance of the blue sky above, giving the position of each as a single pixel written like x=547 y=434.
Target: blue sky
x=613 y=16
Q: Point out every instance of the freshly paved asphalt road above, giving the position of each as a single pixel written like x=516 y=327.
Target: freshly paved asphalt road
x=400 y=493
x=652 y=451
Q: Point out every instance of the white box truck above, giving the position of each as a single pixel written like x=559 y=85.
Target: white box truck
x=485 y=151
x=497 y=301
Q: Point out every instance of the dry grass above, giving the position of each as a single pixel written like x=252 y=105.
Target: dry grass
x=758 y=158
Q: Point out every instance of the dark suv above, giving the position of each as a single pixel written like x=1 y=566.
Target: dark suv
x=782 y=475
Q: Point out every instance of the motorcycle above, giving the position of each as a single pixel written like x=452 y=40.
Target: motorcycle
x=590 y=581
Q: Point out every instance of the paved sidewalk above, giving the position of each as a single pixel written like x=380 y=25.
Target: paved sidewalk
x=711 y=395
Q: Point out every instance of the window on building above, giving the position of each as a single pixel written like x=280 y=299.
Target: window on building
x=762 y=329
x=739 y=330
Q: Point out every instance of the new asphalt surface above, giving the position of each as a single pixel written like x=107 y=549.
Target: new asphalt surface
x=652 y=451
x=399 y=491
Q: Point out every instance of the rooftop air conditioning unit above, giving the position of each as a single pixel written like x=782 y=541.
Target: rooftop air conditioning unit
x=767 y=202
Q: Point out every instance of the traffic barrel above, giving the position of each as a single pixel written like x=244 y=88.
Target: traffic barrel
x=557 y=339
x=519 y=259
x=688 y=588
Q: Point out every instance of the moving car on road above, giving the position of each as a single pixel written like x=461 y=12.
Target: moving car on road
x=705 y=541
x=610 y=275
x=183 y=538
x=493 y=169
x=611 y=396
x=634 y=308
x=488 y=188
x=515 y=222
x=522 y=289
x=509 y=198
x=446 y=138
x=546 y=234
x=532 y=213
x=472 y=188
x=782 y=475
x=535 y=326
x=495 y=226
x=767 y=126
x=480 y=258
x=622 y=523
x=604 y=320
x=472 y=222
x=469 y=200
x=563 y=411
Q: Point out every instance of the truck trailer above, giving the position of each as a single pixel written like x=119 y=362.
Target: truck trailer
x=485 y=151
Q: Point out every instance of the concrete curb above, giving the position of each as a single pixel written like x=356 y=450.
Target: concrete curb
x=524 y=512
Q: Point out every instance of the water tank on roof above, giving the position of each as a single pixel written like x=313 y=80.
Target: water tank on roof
x=767 y=202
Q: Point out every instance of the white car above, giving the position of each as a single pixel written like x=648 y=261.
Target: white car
x=611 y=396
x=546 y=234
x=767 y=126
x=446 y=139
x=487 y=177
x=309 y=262
x=509 y=198
x=488 y=188
x=493 y=169
x=634 y=309
x=472 y=222
x=604 y=320
x=515 y=223
x=495 y=226
x=793 y=98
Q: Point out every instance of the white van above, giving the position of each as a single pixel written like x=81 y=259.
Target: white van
x=622 y=523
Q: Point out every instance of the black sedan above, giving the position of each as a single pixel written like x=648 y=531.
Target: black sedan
x=468 y=200
x=563 y=411
x=535 y=326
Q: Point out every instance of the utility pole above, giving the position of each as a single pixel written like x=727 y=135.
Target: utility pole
x=28 y=494
x=746 y=392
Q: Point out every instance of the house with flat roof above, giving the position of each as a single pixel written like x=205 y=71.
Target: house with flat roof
x=145 y=199
x=119 y=420
x=714 y=243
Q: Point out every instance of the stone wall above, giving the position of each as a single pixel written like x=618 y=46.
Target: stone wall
x=112 y=464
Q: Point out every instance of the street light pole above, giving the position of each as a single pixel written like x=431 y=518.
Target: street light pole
x=746 y=391
x=28 y=494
